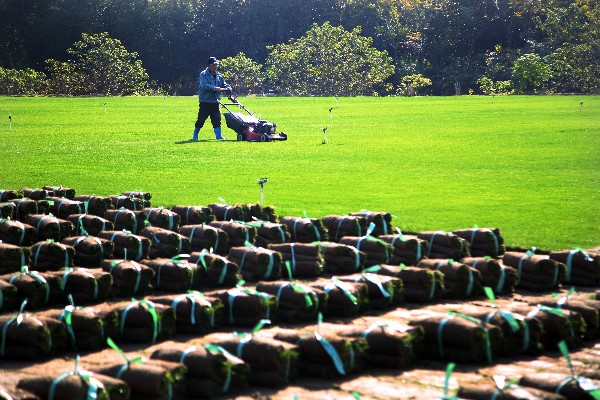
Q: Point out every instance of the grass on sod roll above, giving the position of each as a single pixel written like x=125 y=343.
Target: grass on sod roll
x=529 y=165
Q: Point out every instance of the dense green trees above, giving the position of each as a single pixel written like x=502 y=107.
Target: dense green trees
x=452 y=42
x=328 y=61
x=98 y=65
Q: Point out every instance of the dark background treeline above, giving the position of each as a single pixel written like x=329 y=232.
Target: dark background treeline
x=451 y=42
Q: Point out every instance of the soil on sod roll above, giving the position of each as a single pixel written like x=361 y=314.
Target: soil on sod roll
x=385 y=324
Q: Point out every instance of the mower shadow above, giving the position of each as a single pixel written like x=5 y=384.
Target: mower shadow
x=189 y=141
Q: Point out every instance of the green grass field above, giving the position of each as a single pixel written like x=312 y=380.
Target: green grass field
x=529 y=165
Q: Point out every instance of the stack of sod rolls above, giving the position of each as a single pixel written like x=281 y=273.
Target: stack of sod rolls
x=339 y=226
x=419 y=285
x=305 y=230
x=460 y=280
x=163 y=218
x=206 y=237
x=501 y=278
x=212 y=370
x=582 y=268
x=445 y=245
x=306 y=260
x=129 y=277
x=218 y=270
x=194 y=215
x=537 y=273
x=406 y=249
x=165 y=243
x=483 y=241
x=90 y=251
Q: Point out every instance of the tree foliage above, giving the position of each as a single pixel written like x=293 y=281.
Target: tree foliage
x=328 y=60
x=24 y=82
x=411 y=84
x=99 y=65
x=530 y=73
x=243 y=74
x=452 y=42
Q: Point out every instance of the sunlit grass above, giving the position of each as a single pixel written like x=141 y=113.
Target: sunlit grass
x=529 y=165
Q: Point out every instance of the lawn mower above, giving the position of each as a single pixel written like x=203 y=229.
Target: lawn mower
x=247 y=126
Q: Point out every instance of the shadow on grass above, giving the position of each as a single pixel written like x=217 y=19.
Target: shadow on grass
x=189 y=141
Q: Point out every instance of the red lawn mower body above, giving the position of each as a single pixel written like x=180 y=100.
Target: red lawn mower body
x=248 y=127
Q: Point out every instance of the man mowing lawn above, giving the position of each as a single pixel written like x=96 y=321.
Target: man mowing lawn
x=210 y=86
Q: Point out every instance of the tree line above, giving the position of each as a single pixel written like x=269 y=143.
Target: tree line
x=310 y=46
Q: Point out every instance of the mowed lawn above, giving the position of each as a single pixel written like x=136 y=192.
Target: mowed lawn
x=529 y=165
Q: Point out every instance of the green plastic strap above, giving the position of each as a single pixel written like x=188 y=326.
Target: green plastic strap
x=128 y=361
x=562 y=346
x=138 y=278
x=570 y=261
x=228 y=365
x=41 y=220
x=187 y=216
x=488 y=343
x=151 y=309
x=555 y=280
x=449 y=370
x=22 y=232
x=178 y=299
x=419 y=255
x=356 y=258
x=269 y=270
x=242 y=261
x=186 y=353
x=526 y=331
x=93 y=384
x=394 y=326
x=192 y=233
x=296 y=288
x=564 y=383
x=469 y=289
x=158 y=274
x=231 y=298
x=68 y=272
x=433 y=286
x=4 y=331
x=337 y=231
x=502 y=279
x=37 y=253
x=374 y=279
x=36 y=276
x=81 y=227
x=520 y=268
x=439 y=335
x=332 y=352
x=431 y=244
x=288 y=267
x=55 y=382
x=248 y=337
x=343 y=287
x=294 y=227
x=149 y=214
x=216 y=242
x=507 y=315
x=67 y=316
x=223 y=273
x=201 y=259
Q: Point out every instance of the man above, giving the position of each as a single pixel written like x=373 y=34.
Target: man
x=210 y=86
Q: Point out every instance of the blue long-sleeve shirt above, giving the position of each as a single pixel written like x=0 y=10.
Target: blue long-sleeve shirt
x=207 y=83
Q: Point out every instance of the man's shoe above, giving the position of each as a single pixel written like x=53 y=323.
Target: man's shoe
x=222 y=138
x=193 y=139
